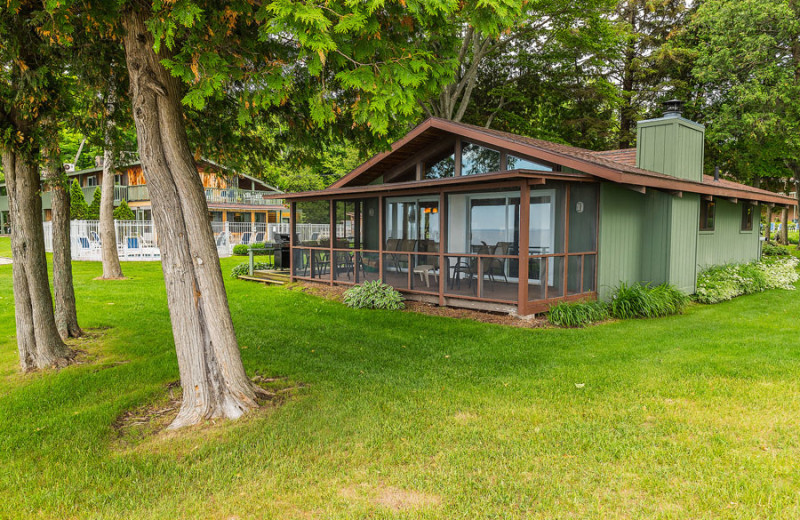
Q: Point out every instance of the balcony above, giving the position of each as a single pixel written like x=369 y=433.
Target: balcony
x=242 y=197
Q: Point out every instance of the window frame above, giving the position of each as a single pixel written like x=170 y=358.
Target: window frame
x=748 y=211
x=704 y=206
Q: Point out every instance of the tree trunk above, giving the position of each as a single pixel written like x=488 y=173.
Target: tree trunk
x=768 y=229
x=784 y=226
x=112 y=270
x=212 y=375
x=66 y=313
x=38 y=339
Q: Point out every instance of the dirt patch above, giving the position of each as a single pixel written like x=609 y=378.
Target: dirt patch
x=391 y=497
x=153 y=419
x=336 y=293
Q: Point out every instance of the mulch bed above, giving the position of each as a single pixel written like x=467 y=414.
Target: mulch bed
x=336 y=292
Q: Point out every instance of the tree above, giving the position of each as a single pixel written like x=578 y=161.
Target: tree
x=645 y=26
x=93 y=209
x=66 y=312
x=78 y=209
x=748 y=65
x=29 y=84
x=358 y=68
x=123 y=212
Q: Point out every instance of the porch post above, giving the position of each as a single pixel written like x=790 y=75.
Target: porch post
x=292 y=222
x=444 y=267
x=380 y=237
x=524 y=239
x=331 y=238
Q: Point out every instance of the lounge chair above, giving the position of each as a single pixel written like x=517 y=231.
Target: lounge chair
x=245 y=240
x=259 y=238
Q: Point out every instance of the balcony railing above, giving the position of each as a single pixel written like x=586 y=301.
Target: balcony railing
x=244 y=197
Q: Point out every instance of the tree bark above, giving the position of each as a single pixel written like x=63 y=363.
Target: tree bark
x=38 y=339
x=784 y=226
x=112 y=270
x=768 y=229
x=212 y=374
x=66 y=313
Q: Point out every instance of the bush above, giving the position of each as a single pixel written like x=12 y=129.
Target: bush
x=244 y=269
x=93 y=211
x=78 y=209
x=373 y=295
x=240 y=250
x=123 y=211
x=773 y=249
x=720 y=283
x=643 y=301
x=578 y=314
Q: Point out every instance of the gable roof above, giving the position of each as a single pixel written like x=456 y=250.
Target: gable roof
x=617 y=166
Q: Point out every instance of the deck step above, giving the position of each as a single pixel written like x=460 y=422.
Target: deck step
x=262 y=280
x=278 y=276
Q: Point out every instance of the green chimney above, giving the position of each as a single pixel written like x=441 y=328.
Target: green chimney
x=671 y=144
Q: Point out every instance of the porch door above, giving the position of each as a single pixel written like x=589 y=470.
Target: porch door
x=542 y=237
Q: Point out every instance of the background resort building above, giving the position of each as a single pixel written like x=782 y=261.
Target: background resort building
x=460 y=215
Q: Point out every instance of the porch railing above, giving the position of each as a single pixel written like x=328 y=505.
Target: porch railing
x=243 y=197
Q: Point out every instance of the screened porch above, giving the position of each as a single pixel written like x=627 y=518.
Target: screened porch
x=504 y=246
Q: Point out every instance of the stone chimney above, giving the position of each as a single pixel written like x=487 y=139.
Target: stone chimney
x=671 y=144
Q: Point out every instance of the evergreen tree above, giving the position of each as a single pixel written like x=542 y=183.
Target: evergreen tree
x=78 y=209
x=93 y=211
x=124 y=212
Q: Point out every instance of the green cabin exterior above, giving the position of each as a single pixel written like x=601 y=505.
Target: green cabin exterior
x=655 y=237
x=465 y=216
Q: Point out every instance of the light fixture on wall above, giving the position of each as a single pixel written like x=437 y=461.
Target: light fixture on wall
x=579 y=207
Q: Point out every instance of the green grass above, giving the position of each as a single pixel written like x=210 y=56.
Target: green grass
x=690 y=416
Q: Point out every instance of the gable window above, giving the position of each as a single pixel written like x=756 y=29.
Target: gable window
x=518 y=163
x=747 y=217
x=707 y=211
x=442 y=165
x=476 y=159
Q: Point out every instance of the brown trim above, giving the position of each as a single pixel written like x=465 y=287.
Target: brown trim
x=437 y=184
x=381 y=235
x=331 y=237
x=567 y=211
x=443 y=236
x=292 y=226
x=523 y=248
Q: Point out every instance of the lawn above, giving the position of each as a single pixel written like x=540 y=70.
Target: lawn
x=412 y=416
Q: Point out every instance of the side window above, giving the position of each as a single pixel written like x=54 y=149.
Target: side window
x=747 y=216
x=707 y=210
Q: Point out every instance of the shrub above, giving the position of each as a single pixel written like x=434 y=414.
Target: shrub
x=93 y=212
x=123 y=211
x=643 y=301
x=78 y=209
x=578 y=314
x=720 y=283
x=773 y=249
x=373 y=295
x=240 y=250
x=244 y=269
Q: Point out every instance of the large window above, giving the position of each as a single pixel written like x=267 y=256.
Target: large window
x=747 y=217
x=707 y=212
x=441 y=165
x=518 y=163
x=476 y=159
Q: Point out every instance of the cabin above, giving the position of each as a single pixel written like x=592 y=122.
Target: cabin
x=232 y=197
x=464 y=216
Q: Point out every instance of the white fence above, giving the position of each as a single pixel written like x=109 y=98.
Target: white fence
x=138 y=239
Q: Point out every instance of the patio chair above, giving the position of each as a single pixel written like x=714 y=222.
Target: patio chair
x=245 y=240
x=94 y=237
x=485 y=265
x=500 y=249
x=259 y=238
x=343 y=263
x=133 y=247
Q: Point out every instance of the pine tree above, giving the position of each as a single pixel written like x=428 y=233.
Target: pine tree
x=123 y=212
x=93 y=212
x=78 y=209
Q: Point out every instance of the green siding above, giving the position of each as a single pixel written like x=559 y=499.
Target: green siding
x=620 y=247
x=671 y=145
x=656 y=237
x=727 y=244
x=685 y=220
